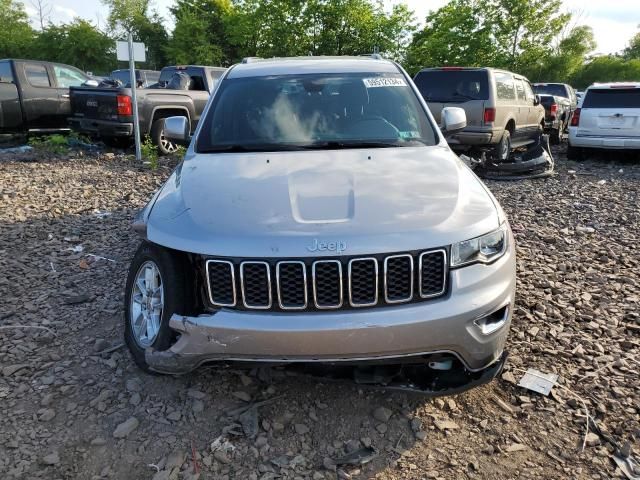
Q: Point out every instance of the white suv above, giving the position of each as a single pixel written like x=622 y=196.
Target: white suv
x=608 y=118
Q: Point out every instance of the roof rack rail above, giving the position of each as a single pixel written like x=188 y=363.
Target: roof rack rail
x=375 y=56
x=250 y=59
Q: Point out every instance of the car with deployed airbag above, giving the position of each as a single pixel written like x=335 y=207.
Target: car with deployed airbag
x=320 y=217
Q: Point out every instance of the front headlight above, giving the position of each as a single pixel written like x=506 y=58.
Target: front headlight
x=484 y=249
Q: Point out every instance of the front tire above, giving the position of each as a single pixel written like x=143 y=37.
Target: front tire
x=164 y=146
x=157 y=287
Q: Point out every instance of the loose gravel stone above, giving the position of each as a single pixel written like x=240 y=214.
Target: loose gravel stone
x=125 y=428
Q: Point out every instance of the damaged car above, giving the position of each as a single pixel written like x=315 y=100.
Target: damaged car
x=320 y=218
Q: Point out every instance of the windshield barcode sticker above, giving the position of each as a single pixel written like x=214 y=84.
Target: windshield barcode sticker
x=383 y=82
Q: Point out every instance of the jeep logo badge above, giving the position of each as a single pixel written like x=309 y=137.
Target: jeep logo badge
x=337 y=247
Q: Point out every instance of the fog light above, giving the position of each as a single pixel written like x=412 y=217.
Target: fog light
x=493 y=322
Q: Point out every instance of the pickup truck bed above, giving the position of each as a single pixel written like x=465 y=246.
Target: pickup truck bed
x=108 y=112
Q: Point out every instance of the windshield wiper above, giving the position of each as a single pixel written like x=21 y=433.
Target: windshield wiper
x=339 y=145
x=259 y=147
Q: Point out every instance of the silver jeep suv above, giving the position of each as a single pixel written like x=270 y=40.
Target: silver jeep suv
x=320 y=216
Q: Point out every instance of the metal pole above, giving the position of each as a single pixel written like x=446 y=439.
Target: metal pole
x=134 y=100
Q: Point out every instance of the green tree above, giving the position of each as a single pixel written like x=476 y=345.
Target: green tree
x=201 y=33
x=565 y=60
x=147 y=26
x=607 y=68
x=459 y=33
x=16 y=35
x=78 y=43
x=525 y=29
x=633 y=49
x=525 y=36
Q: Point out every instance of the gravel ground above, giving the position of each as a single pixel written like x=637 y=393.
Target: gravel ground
x=73 y=405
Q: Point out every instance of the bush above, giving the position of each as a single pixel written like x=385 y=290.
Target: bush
x=57 y=143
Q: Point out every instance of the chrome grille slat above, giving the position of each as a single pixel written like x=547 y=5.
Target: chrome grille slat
x=436 y=261
x=398 y=277
x=360 y=285
x=294 y=296
x=258 y=289
x=326 y=283
x=321 y=297
x=221 y=282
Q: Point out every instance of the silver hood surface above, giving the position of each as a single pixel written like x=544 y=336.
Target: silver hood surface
x=284 y=203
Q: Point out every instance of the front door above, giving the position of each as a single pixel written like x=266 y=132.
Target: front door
x=66 y=77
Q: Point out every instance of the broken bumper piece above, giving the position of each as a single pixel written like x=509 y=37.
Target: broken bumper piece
x=534 y=162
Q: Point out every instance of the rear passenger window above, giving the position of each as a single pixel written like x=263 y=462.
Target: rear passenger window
x=504 y=86
x=37 y=75
x=6 y=75
x=520 y=89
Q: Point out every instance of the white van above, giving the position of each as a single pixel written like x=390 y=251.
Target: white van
x=608 y=118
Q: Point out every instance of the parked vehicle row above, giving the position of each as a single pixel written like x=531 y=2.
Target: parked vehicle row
x=502 y=110
x=557 y=112
x=34 y=95
x=108 y=112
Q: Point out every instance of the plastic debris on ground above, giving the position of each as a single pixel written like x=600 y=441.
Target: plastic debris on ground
x=538 y=382
x=359 y=457
x=20 y=149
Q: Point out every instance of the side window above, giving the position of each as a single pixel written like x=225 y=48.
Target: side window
x=520 y=90
x=504 y=86
x=68 y=77
x=528 y=92
x=6 y=74
x=37 y=75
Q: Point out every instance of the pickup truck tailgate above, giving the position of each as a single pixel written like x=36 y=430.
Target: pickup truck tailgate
x=94 y=103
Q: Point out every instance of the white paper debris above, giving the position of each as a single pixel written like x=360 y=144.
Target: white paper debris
x=538 y=382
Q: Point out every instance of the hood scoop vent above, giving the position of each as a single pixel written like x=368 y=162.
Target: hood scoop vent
x=326 y=197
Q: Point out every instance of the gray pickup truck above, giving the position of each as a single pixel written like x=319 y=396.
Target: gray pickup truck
x=108 y=112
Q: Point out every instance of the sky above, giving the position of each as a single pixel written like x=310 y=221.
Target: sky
x=614 y=22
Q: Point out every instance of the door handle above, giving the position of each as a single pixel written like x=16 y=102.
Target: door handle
x=65 y=95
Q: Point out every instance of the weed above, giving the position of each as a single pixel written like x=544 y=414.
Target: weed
x=57 y=143
x=150 y=152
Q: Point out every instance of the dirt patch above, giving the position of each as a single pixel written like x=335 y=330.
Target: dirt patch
x=74 y=405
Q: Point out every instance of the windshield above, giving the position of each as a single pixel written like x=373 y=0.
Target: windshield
x=457 y=86
x=557 y=89
x=612 y=98
x=315 y=111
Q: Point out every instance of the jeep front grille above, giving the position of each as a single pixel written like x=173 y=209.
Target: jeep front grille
x=326 y=283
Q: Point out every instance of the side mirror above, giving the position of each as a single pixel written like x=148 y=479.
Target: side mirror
x=536 y=100
x=454 y=119
x=177 y=130
x=91 y=83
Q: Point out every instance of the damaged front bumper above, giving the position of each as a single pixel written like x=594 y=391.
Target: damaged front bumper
x=466 y=328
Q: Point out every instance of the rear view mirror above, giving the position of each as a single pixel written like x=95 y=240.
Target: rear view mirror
x=176 y=130
x=536 y=100
x=454 y=119
x=91 y=83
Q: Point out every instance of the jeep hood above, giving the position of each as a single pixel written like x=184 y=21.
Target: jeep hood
x=283 y=203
